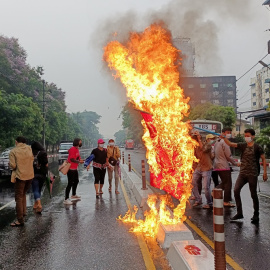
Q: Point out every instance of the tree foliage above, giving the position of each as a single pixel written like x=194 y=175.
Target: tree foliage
x=131 y=121
x=264 y=140
x=23 y=94
x=208 y=111
x=120 y=137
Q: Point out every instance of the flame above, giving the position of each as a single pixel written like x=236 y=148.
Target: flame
x=147 y=68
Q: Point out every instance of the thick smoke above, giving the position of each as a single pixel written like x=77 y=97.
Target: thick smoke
x=201 y=21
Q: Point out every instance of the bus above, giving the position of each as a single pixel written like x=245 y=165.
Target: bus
x=214 y=126
x=129 y=145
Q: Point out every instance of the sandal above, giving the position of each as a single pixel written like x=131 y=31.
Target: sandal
x=101 y=192
x=97 y=196
x=117 y=192
x=16 y=224
x=110 y=189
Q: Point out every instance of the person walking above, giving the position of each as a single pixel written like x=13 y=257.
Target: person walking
x=222 y=168
x=203 y=171
x=251 y=153
x=21 y=162
x=40 y=173
x=73 y=176
x=100 y=163
x=113 y=155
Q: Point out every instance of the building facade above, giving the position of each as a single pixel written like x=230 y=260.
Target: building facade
x=218 y=90
x=187 y=54
x=260 y=89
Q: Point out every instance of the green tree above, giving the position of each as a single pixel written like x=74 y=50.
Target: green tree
x=208 y=111
x=120 y=137
x=264 y=140
x=131 y=121
x=19 y=116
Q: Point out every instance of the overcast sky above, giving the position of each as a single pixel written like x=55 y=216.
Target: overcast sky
x=66 y=38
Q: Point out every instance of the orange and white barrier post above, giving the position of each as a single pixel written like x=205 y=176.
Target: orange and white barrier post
x=143 y=176
x=123 y=157
x=219 y=236
x=129 y=163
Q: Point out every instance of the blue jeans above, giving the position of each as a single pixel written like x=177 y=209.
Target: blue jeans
x=37 y=184
x=205 y=177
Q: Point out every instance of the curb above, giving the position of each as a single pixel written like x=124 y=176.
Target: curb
x=187 y=253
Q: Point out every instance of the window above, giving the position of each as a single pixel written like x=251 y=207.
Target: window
x=190 y=86
x=202 y=85
x=254 y=103
x=215 y=93
x=216 y=101
x=237 y=127
x=254 y=94
x=267 y=100
x=230 y=93
x=229 y=85
x=267 y=90
x=215 y=85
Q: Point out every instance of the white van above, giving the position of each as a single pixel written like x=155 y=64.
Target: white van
x=63 y=151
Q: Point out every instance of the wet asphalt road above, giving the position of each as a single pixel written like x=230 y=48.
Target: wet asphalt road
x=246 y=243
x=85 y=235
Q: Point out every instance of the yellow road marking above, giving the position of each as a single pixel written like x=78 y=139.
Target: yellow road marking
x=229 y=260
x=149 y=264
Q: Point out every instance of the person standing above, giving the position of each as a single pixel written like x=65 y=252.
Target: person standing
x=114 y=153
x=21 y=162
x=249 y=172
x=73 y=176
x=99 y=166
x=40 y=173
x=222 y=168
x=203 y=170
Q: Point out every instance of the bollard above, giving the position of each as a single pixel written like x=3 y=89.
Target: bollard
x=123 y=157
x=143 y=176
x=219 y=237
x=129 y=163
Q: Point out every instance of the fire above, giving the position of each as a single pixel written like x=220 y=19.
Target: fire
x=147 y=68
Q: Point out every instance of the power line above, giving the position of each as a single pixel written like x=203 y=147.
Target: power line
x=250 y=69
x=244 y=102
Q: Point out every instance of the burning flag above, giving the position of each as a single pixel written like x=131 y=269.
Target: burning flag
x=147 y=68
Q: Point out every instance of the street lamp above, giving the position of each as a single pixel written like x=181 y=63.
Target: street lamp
x=43 y=112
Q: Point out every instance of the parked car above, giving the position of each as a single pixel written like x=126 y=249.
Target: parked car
x=63 y=151
x=5 y=170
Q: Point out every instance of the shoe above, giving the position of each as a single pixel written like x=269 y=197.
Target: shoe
x=68 y=202
x=75 y=197
x=117 y=192
x=207 y=206
x=35 y=205
x=192 y=198
x=237 y=216
x=255 y=219
x=16 y=224
x=228 y=204
x=39 y=207
x=196 y=204
x=97 y=196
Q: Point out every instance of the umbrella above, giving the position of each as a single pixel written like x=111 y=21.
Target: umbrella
x=49 y=182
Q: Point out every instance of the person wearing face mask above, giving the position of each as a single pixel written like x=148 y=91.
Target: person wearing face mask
x=99 y=166
x=249 y=172
x=222 y=168
x=73 y=176
x=113 y=154
x=203 y=171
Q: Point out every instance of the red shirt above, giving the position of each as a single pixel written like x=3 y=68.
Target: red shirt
x=74 y=153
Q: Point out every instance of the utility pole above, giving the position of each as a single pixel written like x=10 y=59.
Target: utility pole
x=43 y=111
